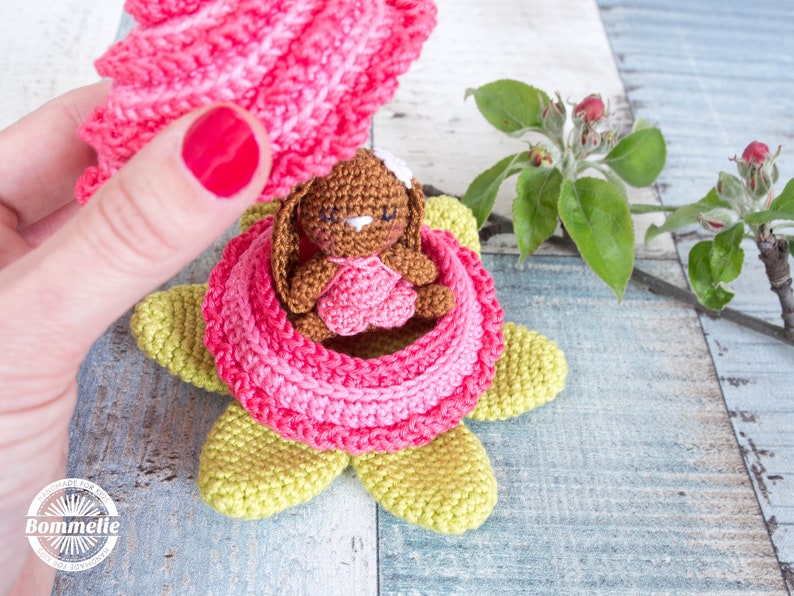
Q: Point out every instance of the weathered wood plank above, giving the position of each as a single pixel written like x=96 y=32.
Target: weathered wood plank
x=717 y=75
x=630 y=481
x=49 y=47
x=591 y=479
x=138 y=433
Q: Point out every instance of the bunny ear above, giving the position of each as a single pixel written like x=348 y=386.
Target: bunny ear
x=416 y=215
x=284 y=253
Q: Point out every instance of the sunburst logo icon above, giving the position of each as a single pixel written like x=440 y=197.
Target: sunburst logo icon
x=72 y=524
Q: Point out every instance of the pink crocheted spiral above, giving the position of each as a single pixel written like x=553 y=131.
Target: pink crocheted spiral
x=313 y=71
x=330 y=400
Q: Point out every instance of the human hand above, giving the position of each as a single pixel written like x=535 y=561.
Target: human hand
x=68 y=272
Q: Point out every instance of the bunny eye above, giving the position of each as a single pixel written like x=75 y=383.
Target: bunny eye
x=328 y=215
x=389 y=216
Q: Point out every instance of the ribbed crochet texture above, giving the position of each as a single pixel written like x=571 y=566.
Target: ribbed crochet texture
x=387 y=301
x=313 y=72
x=247 y=470
x=330 y=400
x=407 y=483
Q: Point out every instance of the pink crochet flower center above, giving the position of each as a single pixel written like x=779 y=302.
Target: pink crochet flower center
x=312 y=71
x=353 y=394
x=330 y=400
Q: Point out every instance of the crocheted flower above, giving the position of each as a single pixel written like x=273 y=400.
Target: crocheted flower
x=327 y=408
x=313 y=71
x=332 y=398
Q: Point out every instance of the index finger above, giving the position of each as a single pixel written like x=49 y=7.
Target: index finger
x=41 y=156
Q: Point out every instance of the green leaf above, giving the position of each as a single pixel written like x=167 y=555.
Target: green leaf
x=481 y=194
x=510 y=106
x=726 y=256
x=615 y=181
x=685 y=215
x=713 y=263
x=610 y=176
x=711 y=293
x=781 y=208
x=641 y=124
x=535 y=207
x=641 y=208
x=639 y=157
x=597 y=217
x=762 y=217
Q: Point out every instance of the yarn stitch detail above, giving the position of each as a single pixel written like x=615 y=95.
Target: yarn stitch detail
x=448 y=213
x=364 y=292
x=169 y=327
x=330 y=400
x=447 y=486
x=530 y=372
x=246 y=470
x=249 y=471
x=312 y=71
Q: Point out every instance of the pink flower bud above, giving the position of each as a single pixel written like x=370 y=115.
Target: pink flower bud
x=718 y=219
x=755 y=153
x=540 y=156
x=730 y=189
x=759 y=184
x=554 y=108
x=591 y=139
x=590 y=109
x=767 y=201
x=553 y=117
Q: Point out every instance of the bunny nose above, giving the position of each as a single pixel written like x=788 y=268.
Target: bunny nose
x=358 y=223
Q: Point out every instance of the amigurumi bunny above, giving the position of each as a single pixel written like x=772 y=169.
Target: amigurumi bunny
x=365 y=219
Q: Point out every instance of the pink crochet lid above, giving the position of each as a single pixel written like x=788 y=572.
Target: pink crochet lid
x=313 y=71
x=330 y=400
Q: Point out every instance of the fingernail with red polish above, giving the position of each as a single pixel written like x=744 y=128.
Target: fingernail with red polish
x=221 y=151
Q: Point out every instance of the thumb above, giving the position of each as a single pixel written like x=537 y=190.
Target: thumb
x=173 y=199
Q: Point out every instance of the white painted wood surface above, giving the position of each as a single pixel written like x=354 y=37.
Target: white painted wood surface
x=49 y=47
x=632 y=481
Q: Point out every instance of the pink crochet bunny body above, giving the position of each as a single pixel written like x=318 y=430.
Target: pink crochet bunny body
x=364 y=293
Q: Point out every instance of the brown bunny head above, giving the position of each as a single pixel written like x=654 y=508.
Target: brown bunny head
x=358 y=210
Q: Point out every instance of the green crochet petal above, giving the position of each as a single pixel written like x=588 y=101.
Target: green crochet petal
x=530 y=372
x=256 y=212
x=448 y=213
x=446 y=486
x=248 y=471
x=169 y=329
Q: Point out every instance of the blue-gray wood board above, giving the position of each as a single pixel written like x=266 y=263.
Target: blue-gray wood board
x=630 y=480
x=714 y=76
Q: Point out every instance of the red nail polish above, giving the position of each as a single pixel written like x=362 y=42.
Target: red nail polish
x=221 y=151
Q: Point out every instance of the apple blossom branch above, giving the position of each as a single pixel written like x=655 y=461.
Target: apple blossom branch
x=498 y=224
